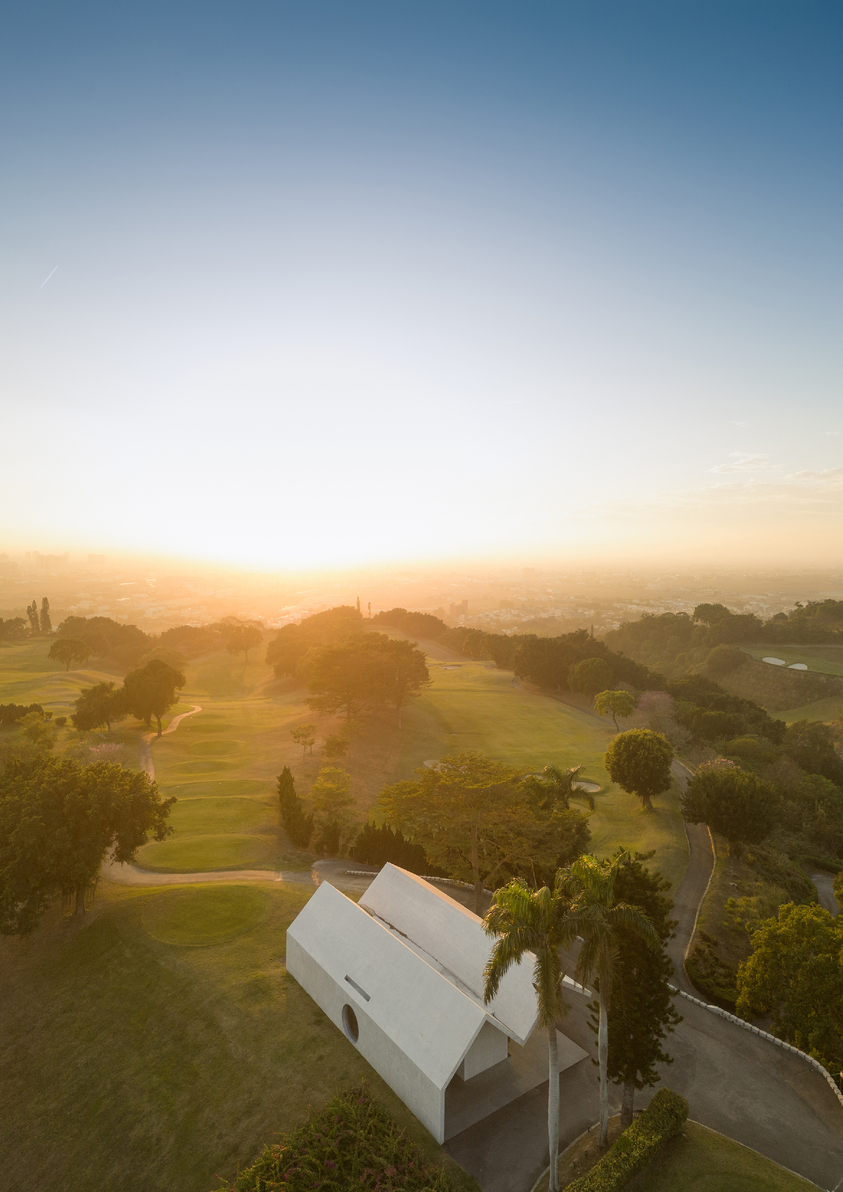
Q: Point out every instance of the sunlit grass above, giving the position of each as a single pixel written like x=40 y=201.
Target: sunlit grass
x=827 y=660
x=201 y=853
x=138 y=1065
x=198 y=916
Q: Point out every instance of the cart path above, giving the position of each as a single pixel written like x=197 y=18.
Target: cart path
x=689 y=894
x=145 y=746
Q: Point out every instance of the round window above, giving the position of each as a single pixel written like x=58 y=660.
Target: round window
x=349 y=1022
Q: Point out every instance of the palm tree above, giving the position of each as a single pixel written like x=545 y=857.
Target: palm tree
x=526 y=920
x=597 y=919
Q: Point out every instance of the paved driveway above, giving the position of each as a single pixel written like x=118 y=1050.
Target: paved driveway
x=735 y=1082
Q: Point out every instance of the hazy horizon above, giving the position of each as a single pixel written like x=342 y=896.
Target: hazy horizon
x=295 y=288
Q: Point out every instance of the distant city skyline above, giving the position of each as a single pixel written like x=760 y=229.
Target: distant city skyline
x=294 y=286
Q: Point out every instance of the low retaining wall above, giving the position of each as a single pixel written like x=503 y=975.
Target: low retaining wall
x=747 y=1026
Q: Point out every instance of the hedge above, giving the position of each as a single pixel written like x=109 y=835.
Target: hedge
x=637 y=1146
x=352 y=1143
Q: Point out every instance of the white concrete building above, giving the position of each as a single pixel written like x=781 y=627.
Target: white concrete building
x=401 y=973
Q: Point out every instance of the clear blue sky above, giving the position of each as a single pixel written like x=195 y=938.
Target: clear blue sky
x=348 y=282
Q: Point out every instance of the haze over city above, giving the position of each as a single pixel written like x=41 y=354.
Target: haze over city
x=326 y=286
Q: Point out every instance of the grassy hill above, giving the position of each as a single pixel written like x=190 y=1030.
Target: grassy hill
x=163 y=1043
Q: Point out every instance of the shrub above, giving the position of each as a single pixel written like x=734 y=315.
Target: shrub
x=61 y=721
x=353 y=1143
x=638 y=1146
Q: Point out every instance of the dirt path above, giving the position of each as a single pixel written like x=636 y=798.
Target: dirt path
x=145 y=746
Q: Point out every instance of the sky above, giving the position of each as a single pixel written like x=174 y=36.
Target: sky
x=316 y=284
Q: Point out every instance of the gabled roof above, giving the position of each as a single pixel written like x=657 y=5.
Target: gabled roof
x=424 y=1013
x=451 y=940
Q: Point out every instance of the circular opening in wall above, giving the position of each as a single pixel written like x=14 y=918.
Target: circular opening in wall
x=349 y=1022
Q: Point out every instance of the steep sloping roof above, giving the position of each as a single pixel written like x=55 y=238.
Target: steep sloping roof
x=426 y=1015
x=452 y=940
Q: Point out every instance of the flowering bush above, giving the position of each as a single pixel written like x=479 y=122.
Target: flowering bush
x=353 y=1143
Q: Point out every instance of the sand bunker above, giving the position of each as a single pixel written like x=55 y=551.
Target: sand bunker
x=775 y=661
x=797 y=666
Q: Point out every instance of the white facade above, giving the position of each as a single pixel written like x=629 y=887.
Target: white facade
x=401 y=974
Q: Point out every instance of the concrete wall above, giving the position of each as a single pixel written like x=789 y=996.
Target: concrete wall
x=490 y=1047
x=405 y=1079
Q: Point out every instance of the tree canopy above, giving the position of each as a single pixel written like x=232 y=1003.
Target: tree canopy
x=241 y=636
x=641 y=1012
x=69 y=649
x=332 y=803
x=151 y=690
x=58 y=822
x=97 y=706
x=638 y=760
x=733 y=802
x=614 y=704
x=474 y=819
x=795 y=973
x=590 y=676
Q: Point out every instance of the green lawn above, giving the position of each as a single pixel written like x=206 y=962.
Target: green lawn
x=137 y=1064
x=701 y=1161
x=478 y=707
x=827 y=660
x=231 y=751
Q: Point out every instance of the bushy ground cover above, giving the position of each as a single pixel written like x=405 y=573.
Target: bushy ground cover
x=352 y=1143
x=134 y=1063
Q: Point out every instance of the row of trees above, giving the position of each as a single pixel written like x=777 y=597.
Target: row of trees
x=146 y=692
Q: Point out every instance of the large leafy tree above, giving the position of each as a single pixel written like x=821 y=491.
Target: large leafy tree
x=534 y=924
x=614 y=704
x=241 y=637
x=598 y=919
x=97 y=706
x=475 y=820
x=69 y=649
x=151 y=690
x=639 y=762
x=58 y=822
x=640 y=1013
x=733 y=802
x=795 y=974
x=406 y=670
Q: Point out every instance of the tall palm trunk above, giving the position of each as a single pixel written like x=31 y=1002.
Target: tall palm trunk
x=603 y=1061
x=553 y=1104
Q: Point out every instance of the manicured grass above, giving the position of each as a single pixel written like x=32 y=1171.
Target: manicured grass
x=821 y=709
x=219 y=788
x=827 y=660
x=699 y=1160
x=204 y=915
x=237 y=745
x=480 y=708
x=200 y=854
x=137 y=1065
x=192 y=816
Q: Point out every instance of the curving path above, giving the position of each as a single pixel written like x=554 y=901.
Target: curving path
x=130 y=875
x=145 y=747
